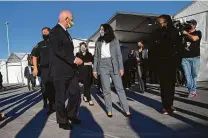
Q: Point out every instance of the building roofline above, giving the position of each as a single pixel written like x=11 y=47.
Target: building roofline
x=188 y=5
x=122 y=12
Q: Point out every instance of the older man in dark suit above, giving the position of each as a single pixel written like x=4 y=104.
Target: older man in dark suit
x=63 y=69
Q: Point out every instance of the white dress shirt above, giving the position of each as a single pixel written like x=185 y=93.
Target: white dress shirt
x=30 y=70
x=105 y=50
x=62 y=26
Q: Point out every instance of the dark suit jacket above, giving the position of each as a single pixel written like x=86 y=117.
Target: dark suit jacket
x=61 y=54
x=27 y=72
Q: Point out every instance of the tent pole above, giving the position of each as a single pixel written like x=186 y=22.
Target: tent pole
x=22 y=73
x=7 y=72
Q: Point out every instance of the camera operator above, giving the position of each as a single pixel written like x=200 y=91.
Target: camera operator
x=164 y=55
x=191 y=56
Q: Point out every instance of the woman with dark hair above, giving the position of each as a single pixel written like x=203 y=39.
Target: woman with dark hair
x=165 y=55
x=85 y=70
x=108 y=63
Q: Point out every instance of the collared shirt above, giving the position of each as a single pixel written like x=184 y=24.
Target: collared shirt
x=30 y=71
x=62 y=26
x=105 y=50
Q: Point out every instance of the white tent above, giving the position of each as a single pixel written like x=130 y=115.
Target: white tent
x=198 y=10
x=15 y=66
x=3 y=69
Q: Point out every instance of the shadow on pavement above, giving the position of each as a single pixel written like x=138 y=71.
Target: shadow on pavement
x=23 y=104
x=89 y=127
x=184 y=100
x=15 y=99
x=34 y=127
x=147 y=127
x=202 y=88
x=157 y=105
x=11 y=87
x=10 y=92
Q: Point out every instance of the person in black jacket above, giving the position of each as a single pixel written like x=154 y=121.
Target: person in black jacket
x=130 y=67
x=165 y=55
x=28 y=74
x=40 y=57
x=1 y=81
x=85 y=71
x=63 y=69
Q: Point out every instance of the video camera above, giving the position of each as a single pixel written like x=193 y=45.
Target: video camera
x=181 y=26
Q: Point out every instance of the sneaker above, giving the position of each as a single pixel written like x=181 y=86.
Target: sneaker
x=192 y=95
x=164 y=111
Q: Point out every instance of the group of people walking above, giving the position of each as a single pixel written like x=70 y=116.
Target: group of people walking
x=62 y=72
x=67 y=72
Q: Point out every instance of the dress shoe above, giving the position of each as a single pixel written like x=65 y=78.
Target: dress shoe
x=109 y=114
x=85 y=99
x=75 y=120
x=2 y=116
x=91 y=103
x=66 y=126
x=128 y=114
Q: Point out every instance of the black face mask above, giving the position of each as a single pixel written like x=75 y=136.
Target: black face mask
x=45 y=37
x=139 y=47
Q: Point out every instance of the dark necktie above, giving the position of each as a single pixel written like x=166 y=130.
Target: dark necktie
x=68 y=35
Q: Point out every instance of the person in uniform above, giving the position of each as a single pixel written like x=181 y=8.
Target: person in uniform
x=40 y=57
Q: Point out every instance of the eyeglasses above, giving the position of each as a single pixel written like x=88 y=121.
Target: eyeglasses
x=70 y=20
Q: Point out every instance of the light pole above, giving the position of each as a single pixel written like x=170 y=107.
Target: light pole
x=6 y=23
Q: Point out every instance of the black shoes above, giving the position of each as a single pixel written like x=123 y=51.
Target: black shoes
x=66 y=126
x=75 y=121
